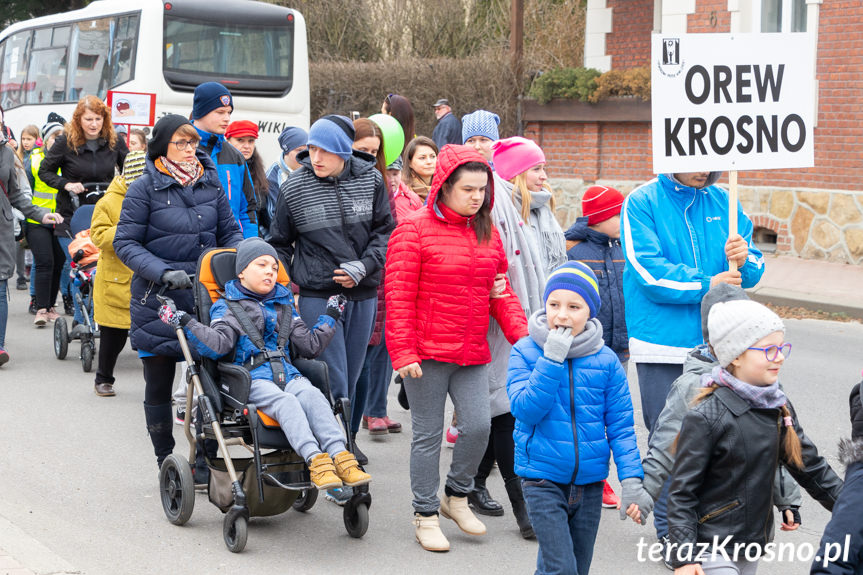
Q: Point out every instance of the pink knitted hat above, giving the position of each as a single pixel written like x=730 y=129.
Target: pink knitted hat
x=514 y=156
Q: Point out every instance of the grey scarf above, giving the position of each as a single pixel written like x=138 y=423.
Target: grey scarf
x=586 y=343
x=546 y=231
x=758 y=396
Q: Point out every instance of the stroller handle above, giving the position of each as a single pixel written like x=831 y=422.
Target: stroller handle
x=165 y=300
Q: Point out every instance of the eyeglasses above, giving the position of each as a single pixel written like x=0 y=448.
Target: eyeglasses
x=771 y=352
x=183 y=144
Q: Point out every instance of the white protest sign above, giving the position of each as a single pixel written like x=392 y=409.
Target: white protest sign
x=732 y=102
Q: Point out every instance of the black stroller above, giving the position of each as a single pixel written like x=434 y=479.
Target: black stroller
x=242 y=487
x=82 y=275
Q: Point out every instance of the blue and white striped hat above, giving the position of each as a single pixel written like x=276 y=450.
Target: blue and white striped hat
x=578 y=277
x=480 y=123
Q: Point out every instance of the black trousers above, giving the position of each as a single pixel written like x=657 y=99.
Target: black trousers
x=159 y=373
x=501 y=447
x=48 y=260
x=112 y=340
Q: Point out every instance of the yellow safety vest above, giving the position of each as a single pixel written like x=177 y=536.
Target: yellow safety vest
x=44 y=195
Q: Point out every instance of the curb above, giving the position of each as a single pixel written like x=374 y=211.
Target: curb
x=23 y=554
x=806 y=301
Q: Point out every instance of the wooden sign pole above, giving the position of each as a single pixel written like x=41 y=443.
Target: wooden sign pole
x=732 y=211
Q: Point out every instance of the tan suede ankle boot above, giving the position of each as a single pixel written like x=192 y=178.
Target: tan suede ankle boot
x=456 y=508
x=348 y=470
x=428 y=533
x=322 y=471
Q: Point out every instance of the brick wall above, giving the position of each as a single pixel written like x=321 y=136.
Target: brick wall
x=709 y=16
x=629 y=43
x=623 y=150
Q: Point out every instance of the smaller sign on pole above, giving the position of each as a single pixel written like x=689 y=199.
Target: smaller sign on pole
x=132 y=108
x=732 y=102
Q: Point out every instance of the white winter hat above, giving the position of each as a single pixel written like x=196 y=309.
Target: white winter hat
x=734 y=326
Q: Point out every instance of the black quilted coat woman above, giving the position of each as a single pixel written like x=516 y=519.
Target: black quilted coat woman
x=170 y=216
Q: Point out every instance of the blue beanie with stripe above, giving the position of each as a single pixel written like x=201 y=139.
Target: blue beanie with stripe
x=578 y=277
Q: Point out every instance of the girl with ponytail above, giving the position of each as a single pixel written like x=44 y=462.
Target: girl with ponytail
x=740 y=430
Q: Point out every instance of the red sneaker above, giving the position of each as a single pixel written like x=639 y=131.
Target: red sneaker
x=377 y=426
x=609 y=499
x=392 y=426
x=451 y=436
x=365 y=422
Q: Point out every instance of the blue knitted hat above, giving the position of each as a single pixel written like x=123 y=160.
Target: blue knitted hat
x=334 y=134
x=292 y=138
x=575 y=276
x=208 y=97
x=480 y=123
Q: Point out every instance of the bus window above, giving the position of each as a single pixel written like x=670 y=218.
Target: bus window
x=88 y=60
x=14 y=74
x=124 y=48
x=46 y=76
x=251 y=59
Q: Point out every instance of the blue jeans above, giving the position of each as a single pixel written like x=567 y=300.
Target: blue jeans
x=67 y=286
x=552 y=508
x=654 y=382
x=379 y=370
x=4 y=312
x=346 y=352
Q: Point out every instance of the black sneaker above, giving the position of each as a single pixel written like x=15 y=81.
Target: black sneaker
x=32 y=307
x=339 y=495
x=21 y=284
x=68 y=306
x=666 y=552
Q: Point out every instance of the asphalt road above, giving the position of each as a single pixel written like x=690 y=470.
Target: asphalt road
x=78 y=476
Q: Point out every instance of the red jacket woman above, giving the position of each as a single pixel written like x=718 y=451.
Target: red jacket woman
x=442 y=263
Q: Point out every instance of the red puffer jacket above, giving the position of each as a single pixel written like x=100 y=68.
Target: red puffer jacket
x=439 y=280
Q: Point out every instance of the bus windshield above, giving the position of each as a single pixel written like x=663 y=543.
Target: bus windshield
x=250 y=59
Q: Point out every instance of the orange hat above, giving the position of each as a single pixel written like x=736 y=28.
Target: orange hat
x=242 y=129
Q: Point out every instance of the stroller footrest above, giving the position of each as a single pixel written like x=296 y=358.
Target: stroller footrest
x=291 y=480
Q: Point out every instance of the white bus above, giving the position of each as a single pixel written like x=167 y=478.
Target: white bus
x=257 y=50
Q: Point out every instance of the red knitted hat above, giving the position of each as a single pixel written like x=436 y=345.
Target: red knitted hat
x=242 y=129
x=600 y=203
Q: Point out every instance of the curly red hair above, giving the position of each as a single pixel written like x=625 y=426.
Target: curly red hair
x=75 y=133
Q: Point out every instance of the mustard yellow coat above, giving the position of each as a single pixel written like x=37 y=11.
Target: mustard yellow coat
x=111 y=288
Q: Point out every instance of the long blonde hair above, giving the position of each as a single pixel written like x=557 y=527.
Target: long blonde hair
x=519 y=190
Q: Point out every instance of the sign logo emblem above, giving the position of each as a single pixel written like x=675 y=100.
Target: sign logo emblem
x=671 y=64
x=225 y=99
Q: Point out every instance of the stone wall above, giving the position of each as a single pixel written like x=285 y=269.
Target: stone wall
x=813 y=224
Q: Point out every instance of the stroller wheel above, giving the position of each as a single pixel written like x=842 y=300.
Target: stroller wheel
x=177 y=487
x=236 y=533
x=61 y=338
x=306 y=500
x=88 y=350
x=356 y=521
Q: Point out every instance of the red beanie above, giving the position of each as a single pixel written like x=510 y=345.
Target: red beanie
x=242 y=129
x=600 y=203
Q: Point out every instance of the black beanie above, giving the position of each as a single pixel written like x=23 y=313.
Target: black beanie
x=251 y=249
x=163 y=131
x=856 y=413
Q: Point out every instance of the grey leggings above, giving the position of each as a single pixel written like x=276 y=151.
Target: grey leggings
x=468 y=388
x=303 y=413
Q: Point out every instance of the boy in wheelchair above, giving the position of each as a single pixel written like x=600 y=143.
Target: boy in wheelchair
x=304 y=414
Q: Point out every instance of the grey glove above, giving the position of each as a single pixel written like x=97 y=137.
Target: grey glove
x=557 y=344
x=356 y=270
x=176 y=279
x=633 y=492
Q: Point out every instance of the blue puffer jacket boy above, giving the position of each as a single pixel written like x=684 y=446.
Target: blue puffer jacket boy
x=604 y=255
x=568 y=415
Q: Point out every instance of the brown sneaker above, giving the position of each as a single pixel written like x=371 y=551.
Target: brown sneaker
x=104 y=390
x=41 y=318
x=348 y=470
x=323 y=472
